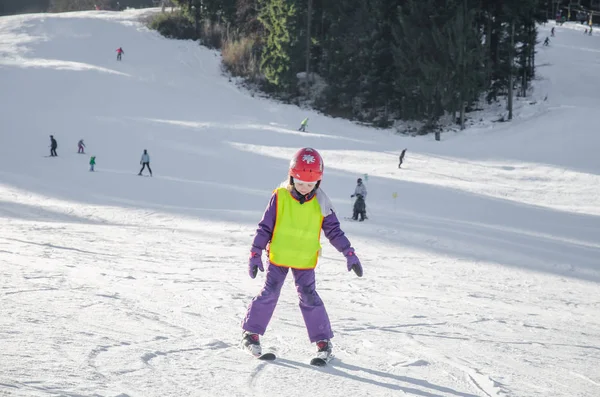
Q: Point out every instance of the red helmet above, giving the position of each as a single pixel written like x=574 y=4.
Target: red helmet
x=307 y=165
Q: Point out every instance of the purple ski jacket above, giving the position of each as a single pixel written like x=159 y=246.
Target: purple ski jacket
x=331 y=225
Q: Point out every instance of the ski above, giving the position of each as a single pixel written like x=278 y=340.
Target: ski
x=261 y=356
x=267 y=357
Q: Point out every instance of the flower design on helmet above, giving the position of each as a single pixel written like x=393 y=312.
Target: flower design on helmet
x=308 y=158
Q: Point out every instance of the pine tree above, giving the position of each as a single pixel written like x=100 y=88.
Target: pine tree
x=438 y=59
x=277 y=16
x=346 y=60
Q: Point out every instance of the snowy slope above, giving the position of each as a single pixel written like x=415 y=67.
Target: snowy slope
x=481 y=277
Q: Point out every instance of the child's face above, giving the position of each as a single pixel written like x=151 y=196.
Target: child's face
x=304 y=187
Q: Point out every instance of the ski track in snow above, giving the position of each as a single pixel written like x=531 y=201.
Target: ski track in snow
x=480 y=254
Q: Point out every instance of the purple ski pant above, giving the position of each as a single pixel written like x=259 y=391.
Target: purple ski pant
x=262 y=306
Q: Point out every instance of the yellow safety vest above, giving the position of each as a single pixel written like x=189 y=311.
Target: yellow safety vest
x=297 y=233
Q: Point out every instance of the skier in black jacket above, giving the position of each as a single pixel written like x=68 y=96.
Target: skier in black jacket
x=53 y=146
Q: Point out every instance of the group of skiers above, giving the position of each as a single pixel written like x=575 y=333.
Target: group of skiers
x=144 y=161
x=360 y=192
x=359 y=212
x=546 y=43
x=547 y=39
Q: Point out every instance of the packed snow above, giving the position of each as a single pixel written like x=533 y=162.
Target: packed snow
x=481 y=255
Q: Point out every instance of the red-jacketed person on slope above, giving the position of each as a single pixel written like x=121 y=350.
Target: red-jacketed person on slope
x=291 y=228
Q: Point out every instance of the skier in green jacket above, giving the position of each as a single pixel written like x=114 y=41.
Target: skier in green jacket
x=303 y=125
x=92 y=163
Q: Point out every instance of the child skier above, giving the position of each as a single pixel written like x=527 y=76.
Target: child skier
x=92 y=163
x=120 y=52
x=145 y=161
x=80 y=146
x=290 y=231
x=360 y=207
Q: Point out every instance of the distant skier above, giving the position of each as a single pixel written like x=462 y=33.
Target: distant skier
x=120 y=52
x=547 y=42
x=92 y=163
x=303 y=125
x=360 y=207
x=145 y=161
x=552 y=32
x=53 y=146
x=81 y=147
x=401 y=159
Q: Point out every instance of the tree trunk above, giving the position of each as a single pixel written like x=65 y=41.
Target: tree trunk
x=524 y=75
x=532 y=61
x=488 y=44
x=532 y=38
x=197 y=12
x=463 y=71
x=309 y=17
x=510 y=74
x=528 y=77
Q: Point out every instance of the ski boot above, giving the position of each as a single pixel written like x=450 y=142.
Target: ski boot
x=251 y=342
x=324 y=355
x=324 y=346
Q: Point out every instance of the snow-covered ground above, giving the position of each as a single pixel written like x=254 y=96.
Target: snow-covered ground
x=481 y=276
